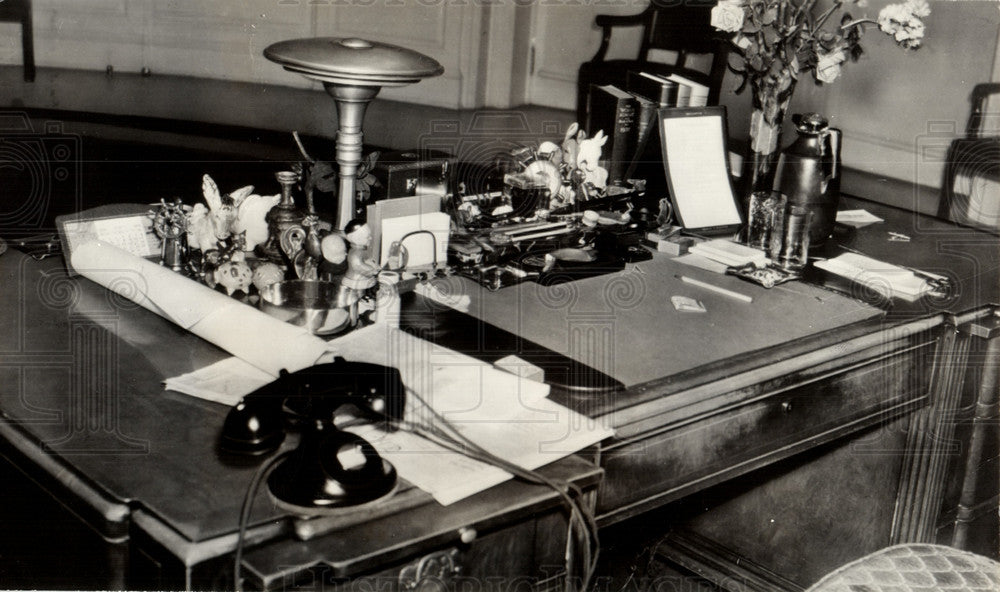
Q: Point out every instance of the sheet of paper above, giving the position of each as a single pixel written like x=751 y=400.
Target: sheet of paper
x=226 y=381
x=857 y=218
x=699 y=172
x=247 y=333
x=507 y=415
x=446 y=475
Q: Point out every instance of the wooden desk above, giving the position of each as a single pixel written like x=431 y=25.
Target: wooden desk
x=112 y=482
x=834 y=406
x=84 y=420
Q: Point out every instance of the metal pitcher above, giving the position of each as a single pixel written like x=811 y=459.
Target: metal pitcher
x=808 y=172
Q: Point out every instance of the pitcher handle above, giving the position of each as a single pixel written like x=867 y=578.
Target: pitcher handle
x=833 y=136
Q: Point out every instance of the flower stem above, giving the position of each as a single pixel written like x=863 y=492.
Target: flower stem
x=822 y=19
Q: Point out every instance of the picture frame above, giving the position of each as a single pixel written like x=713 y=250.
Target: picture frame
x=696 y=164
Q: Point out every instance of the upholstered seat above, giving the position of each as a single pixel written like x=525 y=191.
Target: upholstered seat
x=914 y=568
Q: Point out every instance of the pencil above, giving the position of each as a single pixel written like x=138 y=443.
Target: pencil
x=714 y=288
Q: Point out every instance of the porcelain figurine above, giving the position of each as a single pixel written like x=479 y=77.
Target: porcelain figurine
x=251 y=218
x=216 y=222
x=588 y=158
x=233 y=276
x=334 y=264
x=265 y=274
x=361 y=268
x=571 y=145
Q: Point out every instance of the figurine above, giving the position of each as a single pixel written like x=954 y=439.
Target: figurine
x=334 y=264
x=170 y=224
x=231 y=275
x=251 y=218
x=265 y=274
x=209 y=225
x=589 y=156
x=571 y=145
x=361 y=268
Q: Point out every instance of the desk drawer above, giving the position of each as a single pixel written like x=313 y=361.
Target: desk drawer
x=784 y=418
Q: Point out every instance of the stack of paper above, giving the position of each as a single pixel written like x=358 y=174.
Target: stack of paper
x=887 y=279
x=730 y=253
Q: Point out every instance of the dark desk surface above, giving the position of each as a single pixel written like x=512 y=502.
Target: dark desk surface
x=64 y=340
x=81 y=394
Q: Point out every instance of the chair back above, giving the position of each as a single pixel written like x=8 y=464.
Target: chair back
x=682 y=26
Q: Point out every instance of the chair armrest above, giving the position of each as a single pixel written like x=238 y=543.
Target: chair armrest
x=607 y=22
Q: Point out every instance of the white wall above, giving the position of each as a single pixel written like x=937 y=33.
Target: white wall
x=898 y=109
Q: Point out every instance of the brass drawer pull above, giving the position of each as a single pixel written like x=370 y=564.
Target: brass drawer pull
x=786 y=407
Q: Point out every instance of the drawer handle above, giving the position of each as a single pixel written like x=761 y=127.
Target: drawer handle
x=786 y=407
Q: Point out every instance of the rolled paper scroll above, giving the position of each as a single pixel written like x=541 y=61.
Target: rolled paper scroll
x=243 y=331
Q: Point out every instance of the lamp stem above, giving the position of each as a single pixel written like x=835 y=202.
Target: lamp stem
x=352 y=102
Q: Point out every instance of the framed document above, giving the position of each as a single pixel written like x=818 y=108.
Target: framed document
x=126 y=226
x=695 y=161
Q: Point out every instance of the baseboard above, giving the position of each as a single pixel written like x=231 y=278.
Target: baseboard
x=719 y=565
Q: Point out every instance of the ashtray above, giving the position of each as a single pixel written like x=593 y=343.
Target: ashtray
x=313 y=304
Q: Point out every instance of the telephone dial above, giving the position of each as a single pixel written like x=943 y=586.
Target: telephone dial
x=330 y=468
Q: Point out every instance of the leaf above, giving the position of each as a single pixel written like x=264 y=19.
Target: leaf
x=323 y=176
x=769 y=16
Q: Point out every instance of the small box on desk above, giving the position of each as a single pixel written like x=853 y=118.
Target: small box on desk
x=406 y=173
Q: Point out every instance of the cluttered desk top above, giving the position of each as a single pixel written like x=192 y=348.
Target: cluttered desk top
x=621 y=324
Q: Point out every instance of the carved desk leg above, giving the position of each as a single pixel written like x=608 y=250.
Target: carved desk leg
x=931 y=443
x=986 y=415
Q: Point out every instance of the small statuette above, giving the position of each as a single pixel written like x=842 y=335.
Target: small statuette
x=233 y=276
x=267 y=273
x=170 y=224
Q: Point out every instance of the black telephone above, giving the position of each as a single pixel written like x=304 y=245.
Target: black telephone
x=330 y=468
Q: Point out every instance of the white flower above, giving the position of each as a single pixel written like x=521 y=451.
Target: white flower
x=902 y=22
x=919 y=8
x=727 y=15
x=828 y=66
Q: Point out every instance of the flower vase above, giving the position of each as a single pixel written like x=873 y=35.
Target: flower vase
x=771 y=98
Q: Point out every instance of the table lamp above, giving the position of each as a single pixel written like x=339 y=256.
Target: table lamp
x=352 y=72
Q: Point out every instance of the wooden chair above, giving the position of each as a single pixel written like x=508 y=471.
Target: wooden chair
x=970 y=193
x=673 y=25
x=19 y=11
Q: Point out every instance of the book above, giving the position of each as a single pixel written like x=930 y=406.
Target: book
x=695 y=94
x=683 y=91
x=653 y=87
x=646 y=137
x=614 y=111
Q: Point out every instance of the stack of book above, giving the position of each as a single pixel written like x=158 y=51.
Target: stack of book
x=616 y=113
x=628 y=117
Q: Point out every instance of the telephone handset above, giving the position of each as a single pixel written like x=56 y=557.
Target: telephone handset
x=330 y=468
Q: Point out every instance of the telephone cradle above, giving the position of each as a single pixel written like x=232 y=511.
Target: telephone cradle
x=330 y=468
